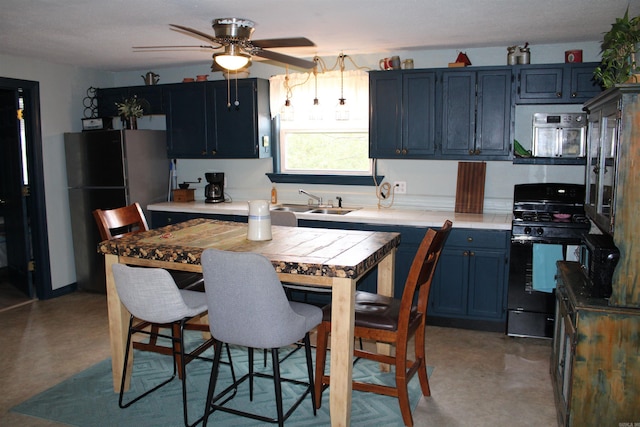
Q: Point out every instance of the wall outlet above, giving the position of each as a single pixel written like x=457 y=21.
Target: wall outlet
x=400 y=187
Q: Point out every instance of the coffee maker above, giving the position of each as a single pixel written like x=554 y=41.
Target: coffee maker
x=214 y=190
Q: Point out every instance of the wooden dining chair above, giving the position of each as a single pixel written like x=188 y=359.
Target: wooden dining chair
x=389 y=320
x=126 y=220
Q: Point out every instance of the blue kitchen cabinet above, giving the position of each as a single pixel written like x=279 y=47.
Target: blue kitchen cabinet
x=469 y=288
x=475 y=120
x=187 y=121
x=107 y=98
x=402 y=114
x=201 y=124
x=242 y=121
x=556 y=83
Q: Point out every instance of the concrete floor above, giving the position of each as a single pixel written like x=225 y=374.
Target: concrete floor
x=480 y=378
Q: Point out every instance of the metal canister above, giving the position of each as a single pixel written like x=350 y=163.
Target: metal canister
x=525 y=55
x=512 y=57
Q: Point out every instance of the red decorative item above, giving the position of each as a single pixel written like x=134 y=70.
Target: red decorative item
x=463 y=58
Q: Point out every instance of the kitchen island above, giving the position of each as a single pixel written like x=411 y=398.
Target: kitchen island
x=470 y=286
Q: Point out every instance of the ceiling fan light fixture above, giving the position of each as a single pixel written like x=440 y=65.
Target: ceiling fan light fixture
x=232 y=59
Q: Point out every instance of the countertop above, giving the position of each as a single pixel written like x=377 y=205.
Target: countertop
x=368 y=215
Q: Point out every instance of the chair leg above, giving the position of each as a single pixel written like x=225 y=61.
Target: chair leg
x=402 y=384
x=277 y=385
x=212 y=381
x=321 y=357
x=124 y=373
x=250 y=350
x=421 y=355
x=312 y=388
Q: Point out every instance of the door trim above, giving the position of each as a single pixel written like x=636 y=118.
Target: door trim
x=38 y=213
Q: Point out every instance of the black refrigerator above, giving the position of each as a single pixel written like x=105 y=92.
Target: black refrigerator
x=105 y=170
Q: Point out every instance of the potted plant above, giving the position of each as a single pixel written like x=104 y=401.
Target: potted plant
x=618 y=48
x=130 y=110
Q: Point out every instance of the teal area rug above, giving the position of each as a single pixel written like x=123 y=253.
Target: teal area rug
x=87 y=399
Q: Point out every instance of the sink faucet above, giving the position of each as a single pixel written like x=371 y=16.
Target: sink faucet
x=319 y=199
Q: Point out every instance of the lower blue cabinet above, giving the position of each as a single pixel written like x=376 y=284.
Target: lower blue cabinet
x=469 y=288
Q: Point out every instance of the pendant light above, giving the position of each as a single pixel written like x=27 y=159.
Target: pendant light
x=316 y=110
x=287 y=112
x=342 y=111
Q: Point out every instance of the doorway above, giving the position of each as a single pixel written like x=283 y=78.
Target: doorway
x=23 y=232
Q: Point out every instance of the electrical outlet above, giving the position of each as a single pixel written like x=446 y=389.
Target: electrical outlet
x=400 y=187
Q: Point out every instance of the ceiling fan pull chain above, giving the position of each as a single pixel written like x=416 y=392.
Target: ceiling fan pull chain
x=237 y=103
x=228 y=93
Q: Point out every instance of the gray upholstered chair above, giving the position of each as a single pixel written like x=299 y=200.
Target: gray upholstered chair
x=248 y=307
x=151 y=295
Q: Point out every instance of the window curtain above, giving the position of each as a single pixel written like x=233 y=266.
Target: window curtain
x=302 y=93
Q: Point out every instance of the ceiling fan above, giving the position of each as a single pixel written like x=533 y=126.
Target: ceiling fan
x=234 y=35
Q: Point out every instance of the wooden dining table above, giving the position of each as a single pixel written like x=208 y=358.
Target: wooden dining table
x=332 y=258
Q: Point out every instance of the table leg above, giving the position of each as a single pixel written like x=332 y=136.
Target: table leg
x=386 y=272
x=118 y=325
x=342 y=322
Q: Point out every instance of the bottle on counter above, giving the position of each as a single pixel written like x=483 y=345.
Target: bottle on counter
x=274 y=195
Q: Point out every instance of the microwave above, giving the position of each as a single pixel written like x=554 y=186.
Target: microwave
x=559 y=135
x=599 y=257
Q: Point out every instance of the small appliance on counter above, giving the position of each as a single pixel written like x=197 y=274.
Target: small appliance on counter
x=214 y=190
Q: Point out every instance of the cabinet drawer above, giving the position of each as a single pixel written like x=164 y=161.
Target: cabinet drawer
x=495 y=239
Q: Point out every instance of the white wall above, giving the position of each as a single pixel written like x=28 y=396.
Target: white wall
x=430 y=184
x=62 y=90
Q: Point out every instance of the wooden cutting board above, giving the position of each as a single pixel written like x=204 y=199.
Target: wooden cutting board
x=470 y=187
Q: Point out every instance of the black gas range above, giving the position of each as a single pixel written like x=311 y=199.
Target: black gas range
x=548 y=214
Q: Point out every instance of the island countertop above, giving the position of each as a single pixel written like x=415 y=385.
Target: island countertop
x=365 y=215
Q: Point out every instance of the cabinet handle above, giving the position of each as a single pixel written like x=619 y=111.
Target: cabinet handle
x=404 y=151
x=397 y=151
x=465 y=253
x=471 y=152
x=469 y=239
x=214 y=152
x=574 y=95
x=558 y=94
x=204 y=152
x=477 y=152
x=472 y=253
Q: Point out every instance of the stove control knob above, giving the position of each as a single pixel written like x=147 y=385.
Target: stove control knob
x=539 y=231
x=527 y=230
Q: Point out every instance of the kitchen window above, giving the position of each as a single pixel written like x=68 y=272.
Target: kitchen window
x=312 y=141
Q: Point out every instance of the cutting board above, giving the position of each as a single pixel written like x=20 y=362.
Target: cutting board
x=470 y=187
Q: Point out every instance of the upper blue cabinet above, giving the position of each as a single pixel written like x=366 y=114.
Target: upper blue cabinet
x=556 y=83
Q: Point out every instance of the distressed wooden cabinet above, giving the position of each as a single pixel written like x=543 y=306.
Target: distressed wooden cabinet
x=595 y=364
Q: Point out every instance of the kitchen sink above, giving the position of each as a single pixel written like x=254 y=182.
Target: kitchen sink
x=310 y=209
x=292 y=208
x=331 y=211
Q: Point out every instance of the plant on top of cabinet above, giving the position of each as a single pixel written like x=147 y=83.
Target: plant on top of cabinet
x=618 y=48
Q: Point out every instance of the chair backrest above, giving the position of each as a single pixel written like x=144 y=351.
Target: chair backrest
x=285 y=218
x=247 y=303
x=151 y=294
x=416 y=289
x=118 y=222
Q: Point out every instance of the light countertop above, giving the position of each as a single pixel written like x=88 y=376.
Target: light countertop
x=369 y=215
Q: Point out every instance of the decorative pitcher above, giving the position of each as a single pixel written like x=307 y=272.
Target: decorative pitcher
x=259 y=220
x=151 y=78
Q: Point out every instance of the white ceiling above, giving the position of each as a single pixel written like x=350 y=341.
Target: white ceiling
x=100 y=34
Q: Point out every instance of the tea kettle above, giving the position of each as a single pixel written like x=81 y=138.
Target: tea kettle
x=151 y=78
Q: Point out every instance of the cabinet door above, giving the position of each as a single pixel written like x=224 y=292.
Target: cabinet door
x=187 y=124
x=583 y=86
x=107 y=99
x=540 y=83
x=418 y=124
x=493 y=129
x=458 y=113
x=486 y=284
x=385 y=115
x=448 y=295
x=236 y=114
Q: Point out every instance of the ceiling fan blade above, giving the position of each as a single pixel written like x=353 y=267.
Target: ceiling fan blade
x=287 y=42
x=196 y=32
x=175 y=46
x=285 y=59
